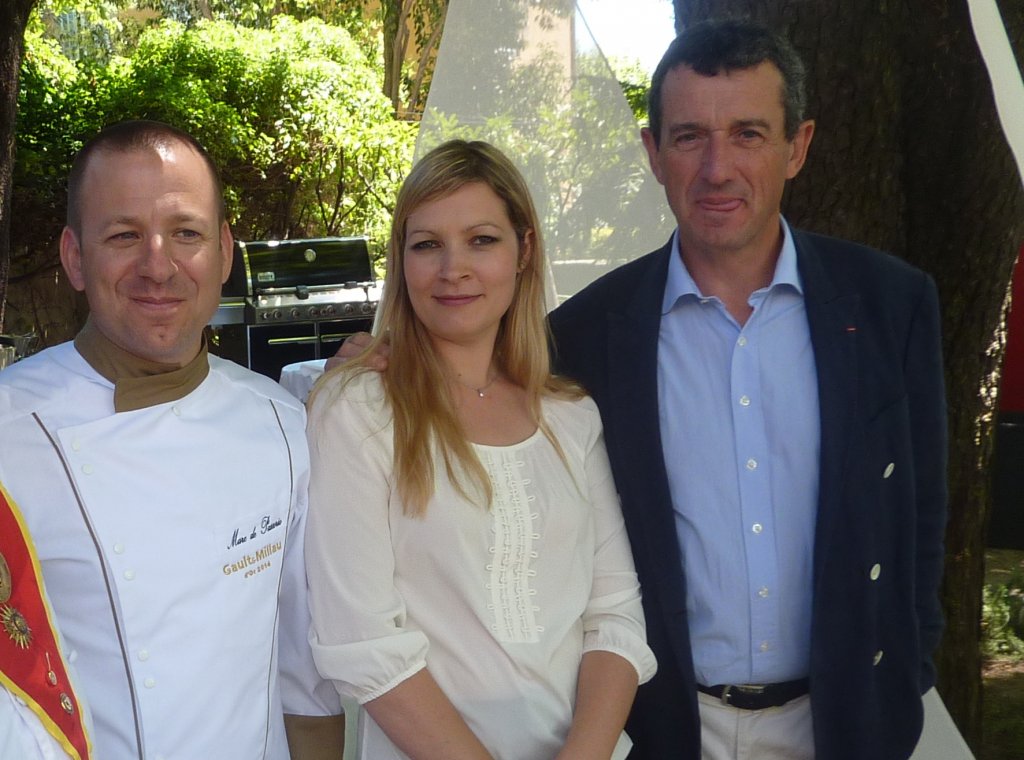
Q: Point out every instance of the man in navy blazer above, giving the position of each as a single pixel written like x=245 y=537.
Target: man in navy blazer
x=856 y=537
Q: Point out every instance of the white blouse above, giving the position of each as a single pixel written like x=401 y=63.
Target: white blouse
x=499 y=604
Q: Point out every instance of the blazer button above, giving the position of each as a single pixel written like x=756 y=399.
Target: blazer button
x=876 y=570
x=878 y=656
x=888 y=470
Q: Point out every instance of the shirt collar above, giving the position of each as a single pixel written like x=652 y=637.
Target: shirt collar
x=679 y=283
x=139 y=383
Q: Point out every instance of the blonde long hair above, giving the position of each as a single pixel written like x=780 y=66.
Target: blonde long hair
x=416 y=378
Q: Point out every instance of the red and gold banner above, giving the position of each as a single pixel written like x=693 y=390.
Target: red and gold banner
x=31 y=664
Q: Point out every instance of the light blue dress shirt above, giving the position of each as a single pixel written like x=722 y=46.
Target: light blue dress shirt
x=741 y=436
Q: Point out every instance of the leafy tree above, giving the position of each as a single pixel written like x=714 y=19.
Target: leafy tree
x=635 y=82
x=293 y=115
x=407 y=22
x=14 y=16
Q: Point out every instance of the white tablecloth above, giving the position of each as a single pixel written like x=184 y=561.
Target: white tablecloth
x=298 y=378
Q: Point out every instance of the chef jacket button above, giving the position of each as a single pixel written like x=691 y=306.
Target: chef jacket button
x=119 y=548
x=143 y=654
x=75 y=445
x=87 y=469
x=149 y=683
x=129 y=575
x=888 y=470
x=878 y=656
x=876 y=570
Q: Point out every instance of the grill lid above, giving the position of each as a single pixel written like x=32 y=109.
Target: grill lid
x=282 y=266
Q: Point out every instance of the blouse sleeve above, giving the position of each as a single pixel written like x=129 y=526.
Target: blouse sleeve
x=358 y=636
x=614 y=619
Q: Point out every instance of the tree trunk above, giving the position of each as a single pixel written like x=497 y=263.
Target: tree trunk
x=909 y=157
x=393 y=19
x=13 y=18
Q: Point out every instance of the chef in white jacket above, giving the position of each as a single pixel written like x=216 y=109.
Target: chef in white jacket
x=165 y=489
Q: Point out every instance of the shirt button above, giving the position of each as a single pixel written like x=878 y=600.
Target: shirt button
x=764 y=646
x=757 y=527
x=751 y=464
x=878 y=656
x=129 y=575
x=744 y=401
x=87 y=469
x=876 y=570
x=118 y=548
x=76 y=446
x=888 y=470
x=763 y=592
x=149 y=683
x=742 y=341
x=143 y=654
x=176 y=410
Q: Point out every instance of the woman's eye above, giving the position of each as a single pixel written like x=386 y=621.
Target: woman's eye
x=484 y=240
x=423 y=245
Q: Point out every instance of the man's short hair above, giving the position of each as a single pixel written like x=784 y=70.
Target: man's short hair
x=127 y=137
x=716 y=46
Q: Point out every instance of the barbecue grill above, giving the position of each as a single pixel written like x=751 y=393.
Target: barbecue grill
x=293 y=300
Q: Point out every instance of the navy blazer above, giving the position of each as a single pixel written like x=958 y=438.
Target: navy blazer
x=878 y=552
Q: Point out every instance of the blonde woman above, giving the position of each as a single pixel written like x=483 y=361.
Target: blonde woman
x=472 y=584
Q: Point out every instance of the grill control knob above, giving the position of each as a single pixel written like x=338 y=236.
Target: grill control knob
x=327 y=311
x=276 y=314
x=294 y=313
x=366 y=307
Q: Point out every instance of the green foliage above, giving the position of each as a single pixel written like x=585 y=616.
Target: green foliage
x=635 y=83
x=293 y=115
x=1002 y=618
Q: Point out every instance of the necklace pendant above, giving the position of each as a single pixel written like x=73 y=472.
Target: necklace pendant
x=480 y=392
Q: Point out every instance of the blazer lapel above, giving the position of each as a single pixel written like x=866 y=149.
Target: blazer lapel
x=633 y=389
x=833 y=318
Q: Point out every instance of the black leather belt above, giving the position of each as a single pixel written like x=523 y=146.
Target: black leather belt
x=757 y=696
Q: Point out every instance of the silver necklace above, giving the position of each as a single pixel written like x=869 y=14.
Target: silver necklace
x=480 y=391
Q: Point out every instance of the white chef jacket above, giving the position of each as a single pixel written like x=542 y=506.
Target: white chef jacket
x=167 y=536
x=22 y=735
x=499 y=604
